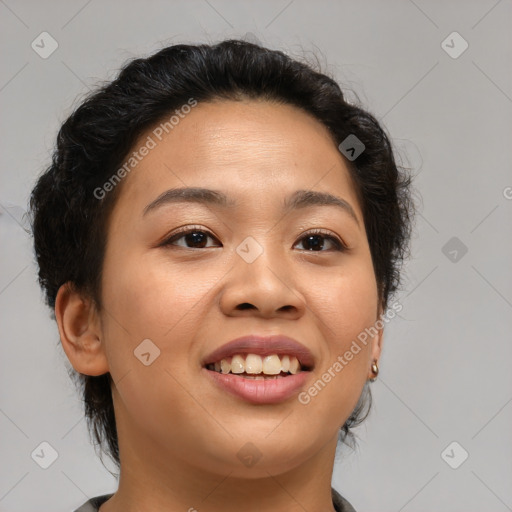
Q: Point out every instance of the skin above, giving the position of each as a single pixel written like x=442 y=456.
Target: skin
x=178 y=434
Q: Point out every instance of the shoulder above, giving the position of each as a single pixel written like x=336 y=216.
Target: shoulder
x=340 y=503
x=94 y=503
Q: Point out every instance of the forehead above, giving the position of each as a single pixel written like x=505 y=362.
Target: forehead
x=249 y=146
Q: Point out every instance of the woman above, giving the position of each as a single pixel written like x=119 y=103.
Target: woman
x=220 y=234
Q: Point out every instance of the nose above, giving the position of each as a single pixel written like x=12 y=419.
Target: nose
x=267 y=288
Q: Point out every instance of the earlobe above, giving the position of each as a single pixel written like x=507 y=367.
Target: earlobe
x=80 y=331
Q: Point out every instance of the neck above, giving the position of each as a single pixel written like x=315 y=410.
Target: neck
x=153 y=479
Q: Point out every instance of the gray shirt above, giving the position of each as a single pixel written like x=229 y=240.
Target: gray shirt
x=339 y=502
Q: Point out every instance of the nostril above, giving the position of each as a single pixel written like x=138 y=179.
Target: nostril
x=245 y=305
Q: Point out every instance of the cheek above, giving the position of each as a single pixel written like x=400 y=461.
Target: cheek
x=151 y=298
x=148 y=300
x=348 y=305
x=346 y=311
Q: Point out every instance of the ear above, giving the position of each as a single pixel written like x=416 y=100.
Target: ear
x=80 y=331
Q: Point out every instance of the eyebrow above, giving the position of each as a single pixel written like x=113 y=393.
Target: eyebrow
x=299 y=199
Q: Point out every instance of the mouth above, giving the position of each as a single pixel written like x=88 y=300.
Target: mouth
x=260 y=369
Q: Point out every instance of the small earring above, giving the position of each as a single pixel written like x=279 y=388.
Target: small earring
x=375 y=371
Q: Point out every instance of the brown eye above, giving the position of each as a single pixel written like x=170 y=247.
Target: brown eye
x=194 y=238
x=315 y=241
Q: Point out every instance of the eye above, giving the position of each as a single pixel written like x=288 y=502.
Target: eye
x=194 y=236
x=314 y=239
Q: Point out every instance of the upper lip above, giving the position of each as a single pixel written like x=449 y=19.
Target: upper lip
x=263 y=346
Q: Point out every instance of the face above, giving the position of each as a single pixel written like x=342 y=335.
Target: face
x=190 y=294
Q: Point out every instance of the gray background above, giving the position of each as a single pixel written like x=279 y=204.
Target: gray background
x=445 y=370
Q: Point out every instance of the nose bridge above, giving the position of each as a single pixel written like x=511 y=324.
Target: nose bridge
x=258 y=246
x=264 y=256
x=262 y=277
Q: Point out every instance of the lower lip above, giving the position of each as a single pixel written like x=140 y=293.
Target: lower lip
x=271 y=391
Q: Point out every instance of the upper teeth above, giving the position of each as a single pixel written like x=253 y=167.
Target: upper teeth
x=254 y=364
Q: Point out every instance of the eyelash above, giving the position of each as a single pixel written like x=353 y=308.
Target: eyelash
x=339 y=245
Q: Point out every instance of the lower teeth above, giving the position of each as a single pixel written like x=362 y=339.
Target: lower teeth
x=257 y=377
x=261 y=377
